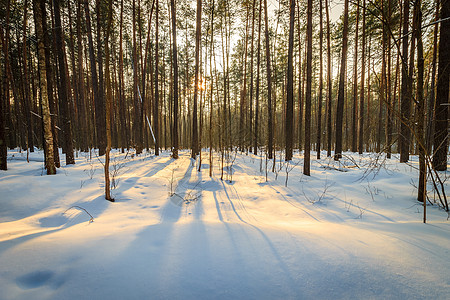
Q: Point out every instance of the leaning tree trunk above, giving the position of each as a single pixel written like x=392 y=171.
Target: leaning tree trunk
x=39 y=16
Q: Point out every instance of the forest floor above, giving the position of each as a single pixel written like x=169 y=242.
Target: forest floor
x=351 y=230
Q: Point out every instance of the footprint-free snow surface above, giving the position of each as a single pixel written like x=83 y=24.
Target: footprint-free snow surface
x=351 y=230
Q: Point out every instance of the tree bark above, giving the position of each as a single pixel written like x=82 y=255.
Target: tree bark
x=269 y=84
x=442 y=92
x=307 y=162
x=362 y=93
x=198 y=30
x=175 y=81
x=329 y=82
x=156 y=98
x=39 y=17
x=63 y=95
x=289 y=122
x=341 y=93
x=405 y=96
x=355 y=84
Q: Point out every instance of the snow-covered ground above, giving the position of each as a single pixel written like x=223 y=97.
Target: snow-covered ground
x=349 y=231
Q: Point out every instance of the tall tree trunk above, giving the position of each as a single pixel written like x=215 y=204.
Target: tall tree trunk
x=63 y=95
x=50 y=87
x=125 y=139
x=198 y=30
x=243 y=93
x=432 y=94
x=362 y=93
x=329 y=82
x=26 y=81
x=300 y=83
x=405 y=99
x=307 y=162
x=320 y=97
x=99 y=106
x=422 y=191
x=156 y=98
x=442 y=92
x=341 y=93
x=3 y=98
x=211 y=109
x=355 y=84
x=389 y=104
x=39 y=17
x=84 y=124
x=108 y=105
x=250 y=127
x=269 y=84
x=289 y=130
x=175 y=81
x=137 y=124
x=258 y=64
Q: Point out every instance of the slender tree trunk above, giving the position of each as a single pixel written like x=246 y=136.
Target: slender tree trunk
x=99 y=106
x=125 y=139
x=258 y=64
x=341 y=94
x=137 y=124
x=300 y=82
x=50 y=87
x=198 y=30
x=307 y=162
x=156 y=98
x=63 y=95
x=422 y=191
x=389 y=104
x=243 y=96
x=329 y=82
x=175 y=81
x=432 y=94
x=39 y=17
x=211 y=109
x=250 y=127
x=320 y=96
x=108 y=105
x=442 y=92
x=362 y=93
x=289 y=122
x=405 y=99
x=3 y=98
x=355 y=84
x=269 y=84
x=26 y=82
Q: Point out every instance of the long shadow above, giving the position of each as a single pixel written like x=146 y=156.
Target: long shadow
x=61 y=222
x=293 y=203
x=131 y=182
x=269 y=243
